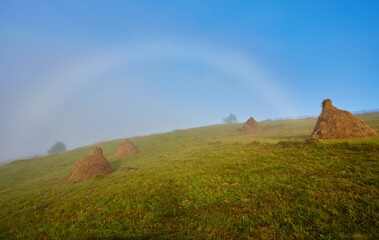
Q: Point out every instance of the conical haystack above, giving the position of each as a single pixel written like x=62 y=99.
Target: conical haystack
x=337 y=123
x=91 y=166
x=126 y=149
x=251 y=126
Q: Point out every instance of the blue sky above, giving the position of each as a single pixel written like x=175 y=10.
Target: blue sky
x=87 y=71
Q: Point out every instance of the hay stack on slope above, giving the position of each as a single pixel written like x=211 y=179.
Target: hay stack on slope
x=126 y=149
x=91 y=166
x=251 y=126
x=337 y=123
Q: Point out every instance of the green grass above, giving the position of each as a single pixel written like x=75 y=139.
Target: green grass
x=208 y=182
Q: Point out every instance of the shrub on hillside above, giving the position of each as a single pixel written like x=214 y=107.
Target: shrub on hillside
x=230 y=119
x=56 y=148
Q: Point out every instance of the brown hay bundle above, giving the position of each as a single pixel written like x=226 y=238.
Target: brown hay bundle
x=337 y=123
x=126 y=149
x=91 y=166
x=251 y=126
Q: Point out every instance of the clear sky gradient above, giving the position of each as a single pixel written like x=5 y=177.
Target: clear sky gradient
x=88 y=71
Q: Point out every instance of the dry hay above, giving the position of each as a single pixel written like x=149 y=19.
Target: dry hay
x=91 y=166
x=126 y=149
x=337 y=123
x=251 y=126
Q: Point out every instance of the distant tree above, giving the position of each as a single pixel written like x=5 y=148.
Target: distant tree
x=230 y=119
x=57 y=147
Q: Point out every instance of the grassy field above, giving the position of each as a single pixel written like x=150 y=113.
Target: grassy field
x=208 y=182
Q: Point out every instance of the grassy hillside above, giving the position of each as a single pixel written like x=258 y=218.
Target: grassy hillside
x=208 y=182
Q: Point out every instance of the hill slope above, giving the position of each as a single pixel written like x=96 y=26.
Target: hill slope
x=205 y=182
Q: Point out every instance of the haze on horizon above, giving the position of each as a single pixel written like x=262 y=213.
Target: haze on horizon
x=82 y=72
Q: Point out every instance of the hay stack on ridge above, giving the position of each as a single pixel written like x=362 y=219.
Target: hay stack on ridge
x=251 y=126
x=126 y=149
x=337 y=123
x=91 y=166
